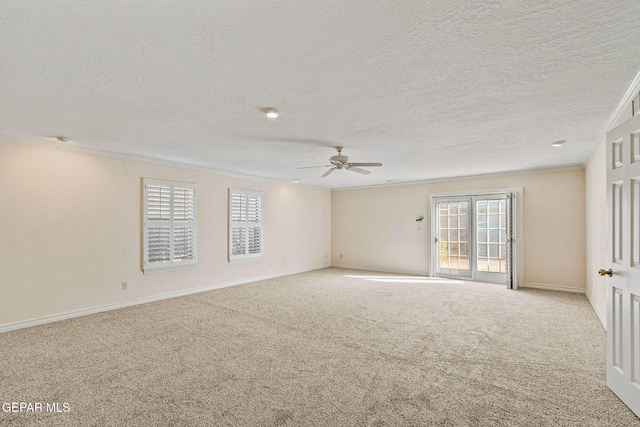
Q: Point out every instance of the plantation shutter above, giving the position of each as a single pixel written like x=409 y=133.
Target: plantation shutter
x=245 y=224
x=238 y=216
x=158 y=224
x=254 y=223
x=169 y=225
x=183 y=224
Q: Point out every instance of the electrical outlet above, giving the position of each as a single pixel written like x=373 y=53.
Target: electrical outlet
x=124 y=286
x=340 y=256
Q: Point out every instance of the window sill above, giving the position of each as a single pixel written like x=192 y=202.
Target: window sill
x=164 y=269
x=245 y=259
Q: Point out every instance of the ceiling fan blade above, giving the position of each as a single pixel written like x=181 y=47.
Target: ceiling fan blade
x=365 y=164
x=362 y=171
x=309 y=167
x=328 y=172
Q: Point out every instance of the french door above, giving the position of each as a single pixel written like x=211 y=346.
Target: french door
x=453 y=237
x=473 y=237
x=493 y=235
x=623 y=257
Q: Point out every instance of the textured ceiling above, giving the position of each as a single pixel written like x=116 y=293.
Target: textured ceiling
x=430 y=89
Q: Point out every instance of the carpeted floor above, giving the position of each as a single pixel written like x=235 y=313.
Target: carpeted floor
x=331 y=347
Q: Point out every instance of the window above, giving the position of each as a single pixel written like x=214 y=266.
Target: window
x=245 y=225
x=169 y=225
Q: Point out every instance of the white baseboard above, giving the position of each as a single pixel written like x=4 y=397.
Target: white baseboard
x=84 y=312
x=603 y=318
x=381 y=270
x=554 y=287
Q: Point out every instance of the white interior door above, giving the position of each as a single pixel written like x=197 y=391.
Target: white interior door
x=623 y=253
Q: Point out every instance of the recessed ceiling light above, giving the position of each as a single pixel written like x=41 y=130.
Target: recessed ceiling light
x=62 y=138
x=295 y=180
x=271 y=112
x=558 y=143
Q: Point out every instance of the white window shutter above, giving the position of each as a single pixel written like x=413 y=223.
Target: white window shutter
x=169 y=225
x=245 y=224
x=254 y=237
x=157 y=222
x=158 y=201
x=238 y=240
x=158 y=244
x=183 y=224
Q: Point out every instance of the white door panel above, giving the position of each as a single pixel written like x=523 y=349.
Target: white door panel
x=623 y=253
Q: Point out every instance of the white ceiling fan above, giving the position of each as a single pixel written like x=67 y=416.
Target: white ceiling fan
x=342 y=162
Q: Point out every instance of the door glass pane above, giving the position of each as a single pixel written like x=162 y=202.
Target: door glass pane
x=454 y=235
x=481 y=207
x=493 y=252
x=464 y=256
x=482 y=251
x=491 y=236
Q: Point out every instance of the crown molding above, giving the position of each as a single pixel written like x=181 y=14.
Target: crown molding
x=631 y=92
x=467 y=177
x=141 y=159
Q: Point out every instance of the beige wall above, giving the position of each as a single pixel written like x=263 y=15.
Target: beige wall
x=375 y=228
x=71 y=232
x=596 y=210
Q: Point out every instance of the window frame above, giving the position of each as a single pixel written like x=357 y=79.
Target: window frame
x=245 y=225
x=517 y=221
x=172 y=264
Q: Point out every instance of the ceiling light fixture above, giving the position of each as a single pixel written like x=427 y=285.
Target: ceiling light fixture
x=295 y=180
x=558 y=143
x=62 y=138
x=271 y=112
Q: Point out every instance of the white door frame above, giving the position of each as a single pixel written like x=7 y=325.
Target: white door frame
x=517 y=257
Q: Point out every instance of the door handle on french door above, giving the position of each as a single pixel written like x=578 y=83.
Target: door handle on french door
x=608 y=272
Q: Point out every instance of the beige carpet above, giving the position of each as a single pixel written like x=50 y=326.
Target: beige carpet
x=331 y=347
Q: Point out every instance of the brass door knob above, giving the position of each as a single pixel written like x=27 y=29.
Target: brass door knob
x=608 y=272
